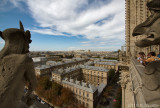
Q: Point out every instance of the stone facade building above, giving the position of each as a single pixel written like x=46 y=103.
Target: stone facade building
x=51 y=66
x=90 y=74
x=106 y=65
x=60 y=74
x=81 y=76
x=136 y=82
x=136 y=13
x=90 y=84
x=95 y=75
x=43 y=70
x=85 y=94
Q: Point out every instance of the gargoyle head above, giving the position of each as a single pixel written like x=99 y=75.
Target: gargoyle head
x=16 y=41
x=151 y=27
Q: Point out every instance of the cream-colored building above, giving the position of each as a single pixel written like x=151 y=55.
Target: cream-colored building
x=52 y=66
x=43 y=70
x=92 y=79
x=106 y=65
x=85 y=94
x=90 y=74
x=86 y=91
x=95 y=75
x=58 y=75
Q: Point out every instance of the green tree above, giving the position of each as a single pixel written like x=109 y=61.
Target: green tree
x=67 y=96
x=111 y=74
x=56 y=89
x=118 y=97
x=45 y=82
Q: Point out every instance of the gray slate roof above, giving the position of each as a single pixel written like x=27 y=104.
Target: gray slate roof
x=95 y=68
x=42 y=67
x=78 y=84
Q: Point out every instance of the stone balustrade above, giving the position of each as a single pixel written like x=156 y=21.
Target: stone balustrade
x=141 y=85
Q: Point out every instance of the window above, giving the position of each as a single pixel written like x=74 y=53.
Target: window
x=86 y=104
x=83 y=93
x=87 y=94
x=79 y=92
x=83 y=103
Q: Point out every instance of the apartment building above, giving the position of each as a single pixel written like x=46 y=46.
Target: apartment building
x=95 y=75
x=107 y=65
x=43 y=70
x=85 y=94
x=58 y=75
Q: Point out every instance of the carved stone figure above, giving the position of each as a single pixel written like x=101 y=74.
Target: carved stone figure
x=151 y=27
x=16 y=68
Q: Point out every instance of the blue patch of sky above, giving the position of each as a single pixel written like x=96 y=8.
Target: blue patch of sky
x=92 y=4
x=65 y=33
x=98 y=1
x=101 y=22
x=10 y=19
x=47 y=42
x=5 y=5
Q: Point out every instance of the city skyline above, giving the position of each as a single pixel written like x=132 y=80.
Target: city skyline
x=97 y=25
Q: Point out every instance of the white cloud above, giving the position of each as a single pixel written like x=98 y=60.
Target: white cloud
x=99 y=19
x=2 y=42
x=46 y=31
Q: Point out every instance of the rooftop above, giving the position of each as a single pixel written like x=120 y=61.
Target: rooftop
x=61 y=63
x=67 y=70
x=81 y=85
x=42 y=67
x=95 y=68
x=107 y=60
x=105 y=63
x=35 y=59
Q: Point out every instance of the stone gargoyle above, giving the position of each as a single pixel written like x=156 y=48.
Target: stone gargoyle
x=16 y=69
x=150 y=28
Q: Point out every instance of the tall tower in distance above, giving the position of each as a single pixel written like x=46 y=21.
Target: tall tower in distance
x=89 y=52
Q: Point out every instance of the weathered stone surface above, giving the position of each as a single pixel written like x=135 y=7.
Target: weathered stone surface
x=16 y=68
x=151 y=27
x=150 y=74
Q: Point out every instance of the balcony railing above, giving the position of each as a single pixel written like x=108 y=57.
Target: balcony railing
x=140 y=80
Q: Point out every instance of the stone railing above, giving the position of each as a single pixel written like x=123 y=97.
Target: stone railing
x=144 y=86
